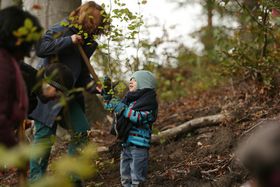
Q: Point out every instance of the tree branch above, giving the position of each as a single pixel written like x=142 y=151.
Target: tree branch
x=188 y=126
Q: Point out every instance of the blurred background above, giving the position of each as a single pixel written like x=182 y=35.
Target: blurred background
x=190 y=45
x=209 y=57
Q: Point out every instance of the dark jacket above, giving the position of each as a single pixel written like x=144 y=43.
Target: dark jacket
x=30 y=77
x=13 y=98
x=57 y=44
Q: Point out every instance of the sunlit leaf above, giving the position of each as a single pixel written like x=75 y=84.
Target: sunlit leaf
x=28 y=24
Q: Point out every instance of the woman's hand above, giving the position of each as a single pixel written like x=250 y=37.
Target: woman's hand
x=77 y=39
x=99 y=89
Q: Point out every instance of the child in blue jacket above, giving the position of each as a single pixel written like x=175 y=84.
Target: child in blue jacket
x=136 y=113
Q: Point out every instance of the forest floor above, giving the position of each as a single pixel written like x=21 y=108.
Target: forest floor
x=205 y=156
x=201 y=158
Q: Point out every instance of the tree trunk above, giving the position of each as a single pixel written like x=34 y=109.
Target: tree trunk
x=51 y=11
x=251 y=4
x=209 y=40
x=7 y=3
x=48 y=12
x=210 y=8
x=188 y=126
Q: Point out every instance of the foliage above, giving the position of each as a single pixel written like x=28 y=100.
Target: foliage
x=68 y=167
x=27 y=33
x=249 y=48
x=254 y=53
x=190 y=76
x=18 y=156
x=63 y=169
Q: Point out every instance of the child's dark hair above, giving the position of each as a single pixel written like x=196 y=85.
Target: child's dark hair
x=60 y=76
x=11 y=20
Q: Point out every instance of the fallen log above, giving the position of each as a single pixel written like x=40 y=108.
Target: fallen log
x=188 y=126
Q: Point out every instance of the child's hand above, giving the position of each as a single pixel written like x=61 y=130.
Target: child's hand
x=93 y=88
x=119 y=108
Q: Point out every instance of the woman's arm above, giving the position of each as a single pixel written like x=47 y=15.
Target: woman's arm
x=51 y=43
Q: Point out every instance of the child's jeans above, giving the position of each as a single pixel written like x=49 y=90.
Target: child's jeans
x=44 y=136
x=134 y=166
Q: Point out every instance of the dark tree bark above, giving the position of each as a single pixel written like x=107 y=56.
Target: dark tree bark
x=209 y=41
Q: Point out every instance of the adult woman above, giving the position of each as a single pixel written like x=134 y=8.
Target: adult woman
x=59 y=44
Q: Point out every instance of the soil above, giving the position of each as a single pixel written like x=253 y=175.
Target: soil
x=201 y=158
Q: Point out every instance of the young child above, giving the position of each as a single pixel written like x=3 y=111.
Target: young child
x=55 y=80
x=135 y=115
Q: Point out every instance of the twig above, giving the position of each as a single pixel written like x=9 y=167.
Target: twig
x=210 y=171
x=177 y=165
x=252 y=128
x=218 y=168
x=99 y=173
x=265 y=43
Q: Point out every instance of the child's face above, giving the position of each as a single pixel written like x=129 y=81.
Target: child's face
x=49 y=91
x=132 y=85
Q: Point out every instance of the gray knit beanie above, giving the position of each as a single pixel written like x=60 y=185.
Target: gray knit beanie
x=144 y=79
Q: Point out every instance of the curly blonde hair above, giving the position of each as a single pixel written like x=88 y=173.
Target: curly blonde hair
x=92 y=17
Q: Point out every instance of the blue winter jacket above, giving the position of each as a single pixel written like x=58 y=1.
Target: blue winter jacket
x=142 y=122
x=57 y=41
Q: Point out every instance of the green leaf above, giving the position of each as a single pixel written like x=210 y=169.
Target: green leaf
x=85 y=35
x=22 y=31
x=144 y=2
x=71 y=18
x=131 y=27
x=29 y=37
x=64 y=23
x=155 y=131
x=28 y=23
